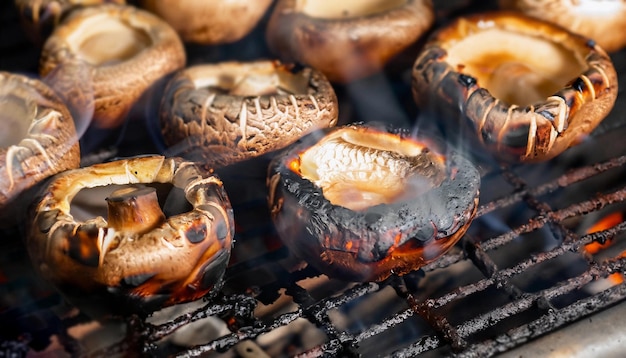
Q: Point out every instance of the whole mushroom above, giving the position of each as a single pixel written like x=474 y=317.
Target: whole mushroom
x=361 y=203
x=526 y=89
x=125 y=51
x=346 y=40
x=138 y=259
x=231 y=111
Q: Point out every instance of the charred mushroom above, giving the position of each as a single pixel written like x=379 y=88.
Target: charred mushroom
x=231 y=111
x=362 y=203
x=139 y=256
x=604 y=21
x=126 y=50
x=38 y=137
x=41 y=15
x=524 y=105
x=209 y=22
x=346 y=40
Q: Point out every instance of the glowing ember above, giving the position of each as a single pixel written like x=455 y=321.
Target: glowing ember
x=605 y=223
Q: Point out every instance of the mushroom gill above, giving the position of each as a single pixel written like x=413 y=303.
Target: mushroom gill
x=231 y=111
x=359 y=168
x=37 y=140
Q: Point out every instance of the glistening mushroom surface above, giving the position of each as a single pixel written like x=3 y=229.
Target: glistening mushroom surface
x=125 y=51
x=231 y=111
x=494 y=59
x=346 y=40
x=38 y=137
x=363 y=203
x=209 y=22
x=137 y=259
x=524 y=88
x=604 y=21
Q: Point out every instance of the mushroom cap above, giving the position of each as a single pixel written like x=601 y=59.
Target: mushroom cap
x=39 y=138
x=180 y=258
x=601 y=20
x=346 y=40
x=231 y=111
x=125 y=49
x=38 y=16
x=473 y=69
x=383 y=233
x=209 y=22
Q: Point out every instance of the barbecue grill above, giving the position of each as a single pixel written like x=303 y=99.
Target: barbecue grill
x=523 y=281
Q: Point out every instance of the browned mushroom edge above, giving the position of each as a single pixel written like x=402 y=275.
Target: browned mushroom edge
x=227 y=112
x=139 y=256
x=602 y=21
x=125 y=49
x=528 y=88
x=346 y=40
x=209 y=22
x=364 y=203
x=38 y=137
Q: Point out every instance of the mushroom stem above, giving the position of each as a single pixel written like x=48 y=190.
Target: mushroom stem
x=134 y=209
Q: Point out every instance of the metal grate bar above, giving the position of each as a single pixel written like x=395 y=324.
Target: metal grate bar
x=547 y=323
x=568 y=314
x=569 y=178
x=455 y=335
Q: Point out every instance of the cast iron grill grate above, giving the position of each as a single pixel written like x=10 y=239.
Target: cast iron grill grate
x=519 y=273
x=463 y=337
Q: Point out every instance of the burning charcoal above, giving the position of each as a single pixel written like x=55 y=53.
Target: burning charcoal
x=209 y=22
x=38 y=16
x=38 y=140
x=529 y=89
x=126 y=49
x=603 y=21
x=232 y=111
x=141 y=259
x=346 y=40
x=362 y=203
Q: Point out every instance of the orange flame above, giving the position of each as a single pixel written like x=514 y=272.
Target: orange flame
x=606 y=222
x=294 y=165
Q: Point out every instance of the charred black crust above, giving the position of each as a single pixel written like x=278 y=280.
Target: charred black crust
x=137 y=280
x=360 y=232
x=579 y=85
x=467 y=81
x=196 y=233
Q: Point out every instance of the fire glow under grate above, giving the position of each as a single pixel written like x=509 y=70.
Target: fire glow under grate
x=523 y=270
x=539 y=311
